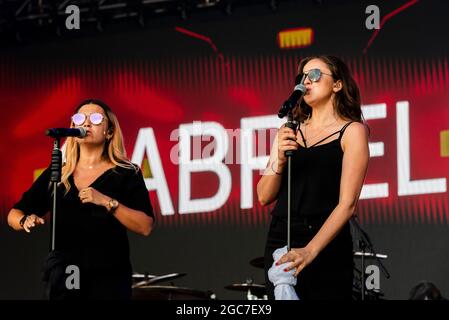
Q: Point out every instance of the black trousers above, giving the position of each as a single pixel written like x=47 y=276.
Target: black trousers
x=330 y=275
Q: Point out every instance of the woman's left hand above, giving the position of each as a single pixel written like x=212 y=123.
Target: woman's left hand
x=300 y=258
x=90 y=195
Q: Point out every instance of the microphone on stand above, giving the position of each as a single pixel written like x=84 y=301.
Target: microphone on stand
x=286 y=110
x=66 y=132
x=298 y=91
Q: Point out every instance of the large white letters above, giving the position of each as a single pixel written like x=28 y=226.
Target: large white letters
x=213 y=156
x=376 y=149
x=146 y=145
x=249 y=162
x=213 y=163
x=406 y=186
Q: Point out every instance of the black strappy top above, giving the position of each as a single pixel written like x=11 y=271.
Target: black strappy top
x=316 y=174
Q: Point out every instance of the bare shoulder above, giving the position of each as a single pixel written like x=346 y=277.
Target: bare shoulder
x=356 y=128
x=356 y=134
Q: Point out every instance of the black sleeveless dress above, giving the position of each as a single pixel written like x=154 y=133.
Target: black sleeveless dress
x=316 y=173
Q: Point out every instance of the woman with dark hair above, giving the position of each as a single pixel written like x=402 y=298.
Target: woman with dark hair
x=328 y=168
x=101 y=196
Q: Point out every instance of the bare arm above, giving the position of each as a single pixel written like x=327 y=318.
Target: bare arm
x=355 y=164
x=14 y=217
x=134 y=220
x=270 y=183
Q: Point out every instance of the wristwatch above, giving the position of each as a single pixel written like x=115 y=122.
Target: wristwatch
x=23 y=219
x=113 y=204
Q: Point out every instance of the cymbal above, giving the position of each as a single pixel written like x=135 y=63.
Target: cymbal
x=157 y=279
x=370 y=255
x=140 y=276
x=257 y=289
x=258 y=262
x=170 y=293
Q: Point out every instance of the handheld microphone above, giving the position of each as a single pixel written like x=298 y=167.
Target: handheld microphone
x=66 y=132
x=298 y=92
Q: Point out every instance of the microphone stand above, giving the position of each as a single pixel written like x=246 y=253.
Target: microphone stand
x=287 y=109
x=55 y=169
x=365 y=242
x=55 y=178
x=292 y=124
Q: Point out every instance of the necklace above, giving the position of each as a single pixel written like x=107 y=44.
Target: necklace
x=88 y=167
x=316 y=135
x=95 y=166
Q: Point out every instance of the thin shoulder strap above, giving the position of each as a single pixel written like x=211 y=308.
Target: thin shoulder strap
x=344 y=128
x=325 y=138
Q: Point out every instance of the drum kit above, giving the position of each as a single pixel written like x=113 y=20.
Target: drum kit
x=254 y=291
x=149 y=287
x=146 y=287
x=148 y=280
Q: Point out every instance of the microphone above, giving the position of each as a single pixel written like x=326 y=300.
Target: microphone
x=66 y=132
x=298 y=92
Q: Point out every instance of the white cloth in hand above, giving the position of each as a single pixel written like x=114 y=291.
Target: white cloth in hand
x=283 y=282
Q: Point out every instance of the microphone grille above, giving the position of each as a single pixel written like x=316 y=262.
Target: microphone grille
x=300 y=87
x=83 y=132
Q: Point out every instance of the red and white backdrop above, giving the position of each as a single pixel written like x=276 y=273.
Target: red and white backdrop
x=232 y=102
x=205 y=104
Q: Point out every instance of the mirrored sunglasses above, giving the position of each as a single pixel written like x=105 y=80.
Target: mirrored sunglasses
x=314 y=75
x=95 y=118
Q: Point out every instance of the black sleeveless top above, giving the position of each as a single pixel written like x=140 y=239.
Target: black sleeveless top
x=316 y=173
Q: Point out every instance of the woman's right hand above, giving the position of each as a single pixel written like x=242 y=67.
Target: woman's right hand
x=286 y=141
x=32 y=221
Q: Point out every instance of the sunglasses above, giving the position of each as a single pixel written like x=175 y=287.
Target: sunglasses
x=95 y=118
x=314 y=75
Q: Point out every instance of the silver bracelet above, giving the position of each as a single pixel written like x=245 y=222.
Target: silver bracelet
x=272 y=169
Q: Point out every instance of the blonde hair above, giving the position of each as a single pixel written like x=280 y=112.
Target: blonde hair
x=114 y=149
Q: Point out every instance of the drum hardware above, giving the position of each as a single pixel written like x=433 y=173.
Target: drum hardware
x=253 y=290
x=147 y=279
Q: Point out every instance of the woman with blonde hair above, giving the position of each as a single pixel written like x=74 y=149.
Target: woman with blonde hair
x=101 y=196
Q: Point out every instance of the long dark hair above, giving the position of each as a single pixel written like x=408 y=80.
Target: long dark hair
x=347 y=101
